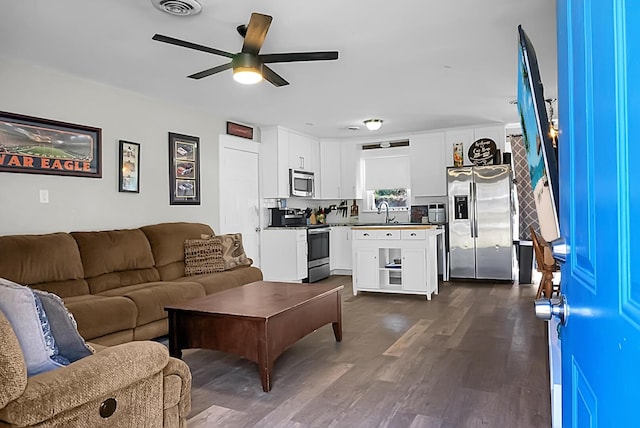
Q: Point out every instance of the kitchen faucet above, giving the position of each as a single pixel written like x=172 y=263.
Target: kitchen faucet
x=386 y=206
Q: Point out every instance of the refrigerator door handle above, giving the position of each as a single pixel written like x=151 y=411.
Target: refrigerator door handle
x=472 y=210
x=475 y=211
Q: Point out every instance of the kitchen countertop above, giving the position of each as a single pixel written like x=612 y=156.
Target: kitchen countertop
x=366 y=226
x=396 y=226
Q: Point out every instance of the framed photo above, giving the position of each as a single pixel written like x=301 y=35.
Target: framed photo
x=240 y=130
x=42 y=146
x=129 y=167
x=184 y=169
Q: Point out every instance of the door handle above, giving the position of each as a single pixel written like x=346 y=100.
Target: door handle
x=258 y=229
x=546 y=309
x=560 y=249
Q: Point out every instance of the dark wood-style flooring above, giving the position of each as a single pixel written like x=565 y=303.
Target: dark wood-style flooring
x=474 y=356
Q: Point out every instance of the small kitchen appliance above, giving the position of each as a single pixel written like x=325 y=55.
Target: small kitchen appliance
x=287 y=217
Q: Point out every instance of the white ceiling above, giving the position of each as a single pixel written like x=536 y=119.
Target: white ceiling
x=416 y=64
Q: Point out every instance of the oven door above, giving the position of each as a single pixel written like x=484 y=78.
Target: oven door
x=318 y=254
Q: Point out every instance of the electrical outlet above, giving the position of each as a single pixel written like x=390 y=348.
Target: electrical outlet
x=44 y=196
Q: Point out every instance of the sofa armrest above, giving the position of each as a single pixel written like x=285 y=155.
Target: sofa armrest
x=177 y=390
x=85 y=380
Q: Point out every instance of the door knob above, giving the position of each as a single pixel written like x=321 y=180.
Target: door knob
x=548 y=308
x=560 y=249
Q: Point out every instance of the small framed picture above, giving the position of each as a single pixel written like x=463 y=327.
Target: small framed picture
x=129 y=164
x=184 y=169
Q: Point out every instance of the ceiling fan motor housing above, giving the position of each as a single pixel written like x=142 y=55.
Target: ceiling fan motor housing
x=178 y=7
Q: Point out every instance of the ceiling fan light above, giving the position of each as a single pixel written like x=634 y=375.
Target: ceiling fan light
x=246 y=76
x=373 y=124
x=247 y=69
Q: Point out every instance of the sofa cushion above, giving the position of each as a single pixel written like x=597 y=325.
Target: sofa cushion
x=167 y=245
x=13 y=371
x=48 y=262
x=115 y=258
x=151 y=298
x=219 y=281
x=30 y=325
x=99 y=316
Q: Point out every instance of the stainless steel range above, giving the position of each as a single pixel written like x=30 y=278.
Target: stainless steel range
x=318 y=253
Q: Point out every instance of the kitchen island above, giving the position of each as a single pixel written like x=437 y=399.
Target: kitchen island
x=395 y=258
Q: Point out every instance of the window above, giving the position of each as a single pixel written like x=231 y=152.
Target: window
x=387 y=178
x=397 y=199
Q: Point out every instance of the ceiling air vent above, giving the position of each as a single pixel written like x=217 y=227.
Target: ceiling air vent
x=178 y=7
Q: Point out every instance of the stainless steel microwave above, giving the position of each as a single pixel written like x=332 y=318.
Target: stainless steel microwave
x=301 y=183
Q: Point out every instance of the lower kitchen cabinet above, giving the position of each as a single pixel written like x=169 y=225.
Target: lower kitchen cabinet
x=392 y=259
x=340 y=250
x=284 y=254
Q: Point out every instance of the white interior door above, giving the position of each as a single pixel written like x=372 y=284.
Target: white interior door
x=240 y=192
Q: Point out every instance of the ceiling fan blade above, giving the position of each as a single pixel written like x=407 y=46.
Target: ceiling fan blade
x=256 y=33
x=298 y=56
x=211 y=71
x=273 y=77
x=185 y=44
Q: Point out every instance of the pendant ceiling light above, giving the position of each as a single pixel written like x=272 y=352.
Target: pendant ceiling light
x=373 y=124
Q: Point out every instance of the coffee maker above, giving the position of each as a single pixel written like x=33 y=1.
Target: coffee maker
x=287 y=217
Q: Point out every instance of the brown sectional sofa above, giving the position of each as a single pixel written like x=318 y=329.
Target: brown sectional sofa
x=116 y=283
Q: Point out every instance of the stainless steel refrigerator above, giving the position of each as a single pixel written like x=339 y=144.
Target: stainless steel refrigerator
x=480 y=222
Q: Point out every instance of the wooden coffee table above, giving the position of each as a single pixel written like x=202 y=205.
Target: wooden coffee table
x=257 y=321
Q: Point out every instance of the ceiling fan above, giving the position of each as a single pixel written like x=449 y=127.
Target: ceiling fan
x=248 y=65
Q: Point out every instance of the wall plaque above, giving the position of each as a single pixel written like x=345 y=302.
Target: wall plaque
x=482 y=151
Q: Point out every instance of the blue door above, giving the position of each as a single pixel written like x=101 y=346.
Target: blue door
x=599 y=120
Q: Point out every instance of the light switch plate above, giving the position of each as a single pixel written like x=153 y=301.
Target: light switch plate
x=44 y=196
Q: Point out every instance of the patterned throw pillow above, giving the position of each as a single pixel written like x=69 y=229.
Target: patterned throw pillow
x=203 y=256
x=233 y=253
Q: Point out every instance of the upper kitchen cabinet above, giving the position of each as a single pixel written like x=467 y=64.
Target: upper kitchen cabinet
x=304 y=152
x=330 y=173
x=281 y=150
x=428 y=164
x=350 y=177
x=468 y=136
x=339 y=170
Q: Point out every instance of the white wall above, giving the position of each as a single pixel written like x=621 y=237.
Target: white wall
x=95 y=204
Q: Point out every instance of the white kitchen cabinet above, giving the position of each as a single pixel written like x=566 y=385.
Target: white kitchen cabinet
x=496 y=133
x=339 y=170
x=395 y=259
x=330 y=172
x=414 y=269
x=281 y=150
x=340 y=249
x=302 y=149
x=274 y=162
x=467 y=136
x=284 y=254
x=428 y=164
x=464 y=136
x=366 y=261
x=350 y=172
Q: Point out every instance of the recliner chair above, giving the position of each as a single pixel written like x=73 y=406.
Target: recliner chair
x=135 y=384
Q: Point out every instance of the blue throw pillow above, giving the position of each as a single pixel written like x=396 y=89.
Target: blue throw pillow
x=41 y=335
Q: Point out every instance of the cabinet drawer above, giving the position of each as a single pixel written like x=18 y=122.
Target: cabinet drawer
x=377 y=234
x=389 y=234
x=414 y=234
x=365 y=234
